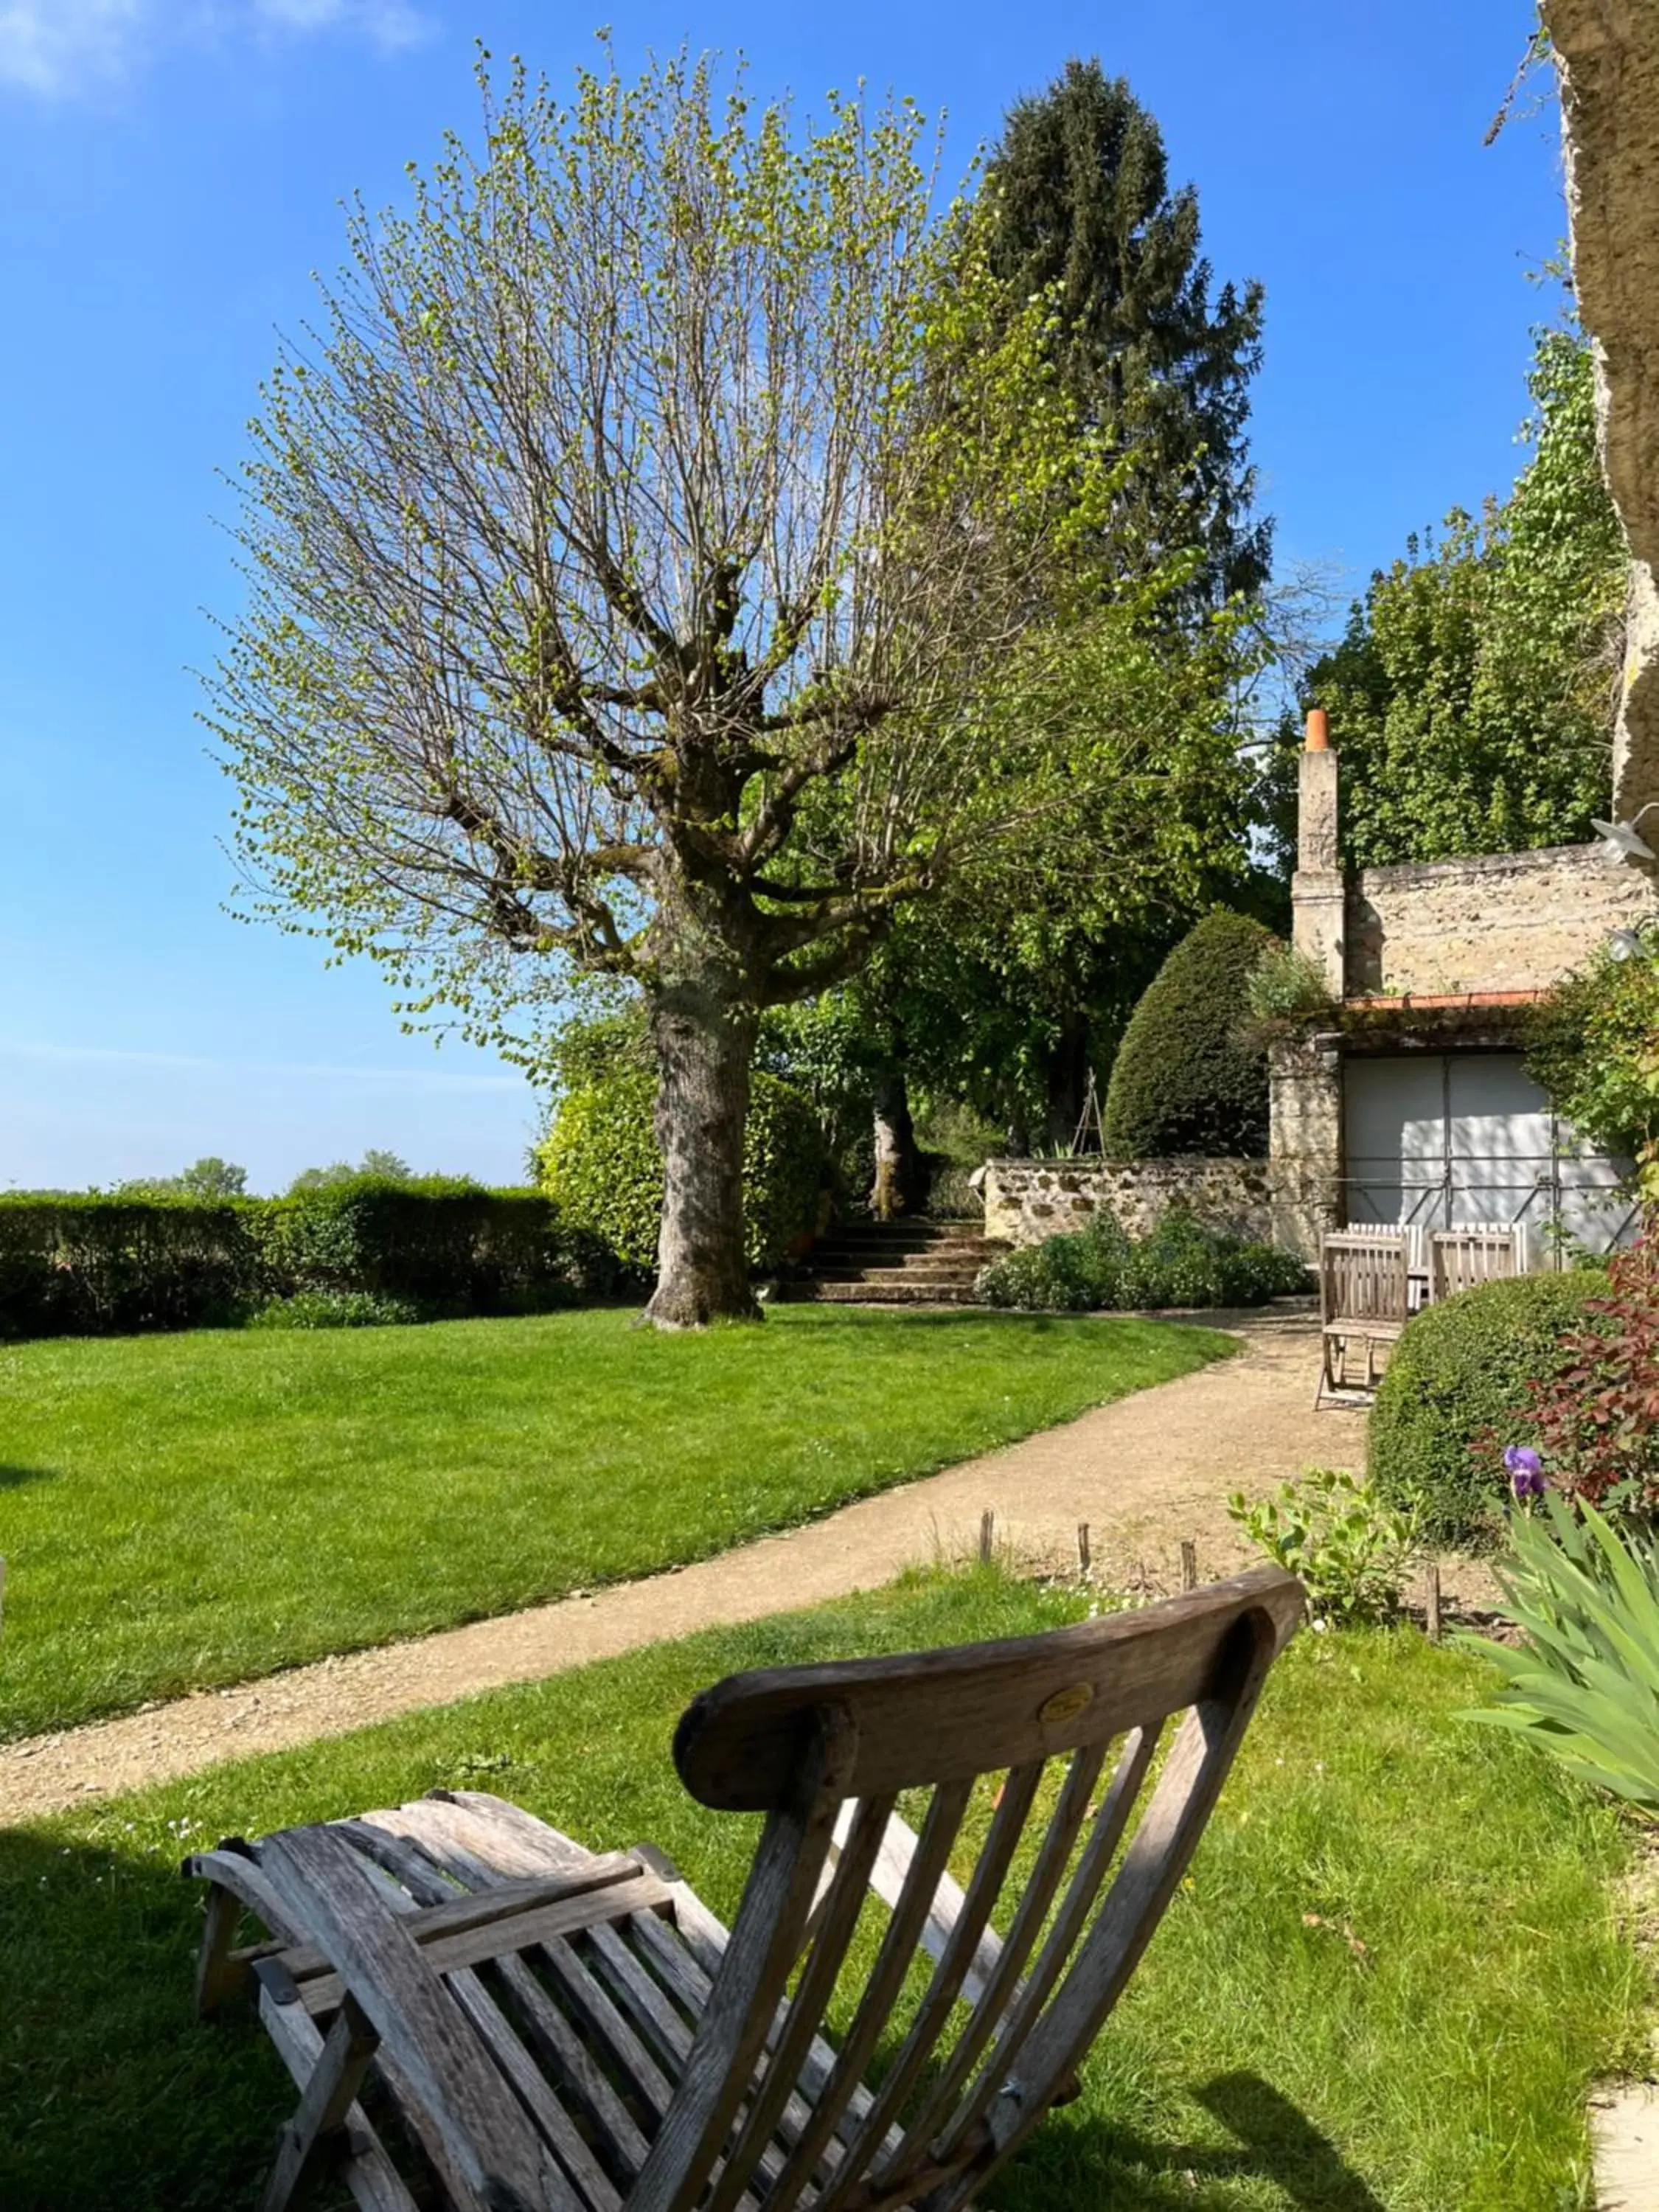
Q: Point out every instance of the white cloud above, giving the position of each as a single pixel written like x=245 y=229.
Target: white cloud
x=56 y=49
x=51 y=46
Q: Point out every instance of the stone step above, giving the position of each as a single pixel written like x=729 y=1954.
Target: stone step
x=888 y=1294
x=925 y=1272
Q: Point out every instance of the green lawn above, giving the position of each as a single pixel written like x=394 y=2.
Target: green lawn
x=1259 y=2063
x=179 y=1511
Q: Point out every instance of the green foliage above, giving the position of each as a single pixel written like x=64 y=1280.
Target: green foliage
x=600 y=1163
x=1594 y=1047
x=1473 y=697
x=1101 y=1269
x=1286 y=986
x=447 y=1244
x=1081 y=210
x=99 y=1265
x=1458 y=1376
x=384 y=1166
x=1186 y=1078
x=1583 y=1687
x=335 y=1309
x=1350 y=1550
x=207 y=1178
x=83 y=1266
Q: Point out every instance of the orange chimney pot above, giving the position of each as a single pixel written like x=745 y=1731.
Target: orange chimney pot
x=1319 y=731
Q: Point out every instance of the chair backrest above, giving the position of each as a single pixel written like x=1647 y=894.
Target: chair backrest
x=1364 y=1275
x=825 y=1752
x=1460 y=1258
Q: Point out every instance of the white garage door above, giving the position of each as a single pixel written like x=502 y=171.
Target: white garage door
x=1458 y=1140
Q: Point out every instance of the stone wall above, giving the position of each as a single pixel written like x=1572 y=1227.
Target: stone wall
x=1501 y=921
x=1026 y=1201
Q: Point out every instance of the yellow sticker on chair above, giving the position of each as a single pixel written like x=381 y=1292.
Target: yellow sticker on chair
x=1065 y=1705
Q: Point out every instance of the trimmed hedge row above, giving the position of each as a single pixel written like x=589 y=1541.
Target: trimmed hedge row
x=94 y=1266
x=1459 y=1373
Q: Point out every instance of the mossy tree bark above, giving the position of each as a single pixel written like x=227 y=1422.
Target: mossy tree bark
x=896 y=1187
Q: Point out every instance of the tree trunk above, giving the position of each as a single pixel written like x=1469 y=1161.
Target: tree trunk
x=894 y=1191
x=704 y=1042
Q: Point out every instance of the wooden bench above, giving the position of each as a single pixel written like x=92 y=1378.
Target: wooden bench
x=476 y=2010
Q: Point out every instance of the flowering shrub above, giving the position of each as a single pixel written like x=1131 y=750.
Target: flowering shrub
x=1593 y=1412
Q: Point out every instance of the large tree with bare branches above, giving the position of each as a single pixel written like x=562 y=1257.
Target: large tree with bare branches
x=665 y=561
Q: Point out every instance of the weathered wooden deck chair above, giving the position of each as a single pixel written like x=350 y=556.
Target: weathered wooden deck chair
x=530 y=2025
x=1460 y=1259
x=1364 y=1298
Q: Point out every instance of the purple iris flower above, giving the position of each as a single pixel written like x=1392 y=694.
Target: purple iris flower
x=1526 y=1471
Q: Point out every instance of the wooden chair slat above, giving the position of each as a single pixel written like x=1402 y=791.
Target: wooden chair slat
x=1094 y=1864
x=944 y=1990
x=594 y=2006
x=912 y=1906
x=420 y=2024
x=806 y=2010
x=1461 y=1258
x=576 y=2032
x=574 y=2066
x=1205 y=1747
x=1053 y=1857
x=531 y=2085
x=764 y=1944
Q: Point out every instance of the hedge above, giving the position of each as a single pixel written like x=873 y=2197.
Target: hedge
x=89 y=1267
x=97 y=1265
x=1460 y=1370
x=1102 y=1269
x=600 y=1164
x=1186 y=1078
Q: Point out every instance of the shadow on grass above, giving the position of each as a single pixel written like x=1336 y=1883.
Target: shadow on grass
x=1086 y=2160
x=13 y=1478
x=111 y=2092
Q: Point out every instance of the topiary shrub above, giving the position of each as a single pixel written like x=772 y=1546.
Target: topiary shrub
x=600 y=1164
x=1187 y=1079
x=1459 y=1374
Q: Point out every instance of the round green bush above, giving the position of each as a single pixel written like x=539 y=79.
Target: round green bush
x=1186 y=1078
x=1461 y=1370
x=600 y=1162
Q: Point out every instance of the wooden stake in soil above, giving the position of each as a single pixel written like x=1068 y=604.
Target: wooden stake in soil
x=1432 y=1608
x=987 y=1529
x=1083 y=1554
x=1188 y=1564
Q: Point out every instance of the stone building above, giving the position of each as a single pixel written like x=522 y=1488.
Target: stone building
x=1413 y=1107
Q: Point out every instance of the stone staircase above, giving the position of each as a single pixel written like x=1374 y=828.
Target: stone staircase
x=912 y=1262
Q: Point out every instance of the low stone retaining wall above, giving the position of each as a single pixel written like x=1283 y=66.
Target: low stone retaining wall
x=1026 y=1201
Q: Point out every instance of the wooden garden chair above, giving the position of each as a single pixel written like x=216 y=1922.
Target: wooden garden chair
x=479 y=2012
x=1365 y=1298
x=1460 y=1258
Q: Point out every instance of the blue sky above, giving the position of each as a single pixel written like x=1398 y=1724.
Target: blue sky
x=169 y=175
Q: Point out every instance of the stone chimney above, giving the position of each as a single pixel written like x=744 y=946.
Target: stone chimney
x=1318 y=890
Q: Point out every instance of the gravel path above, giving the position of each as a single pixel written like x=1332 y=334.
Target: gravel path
x=1145 y=1473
